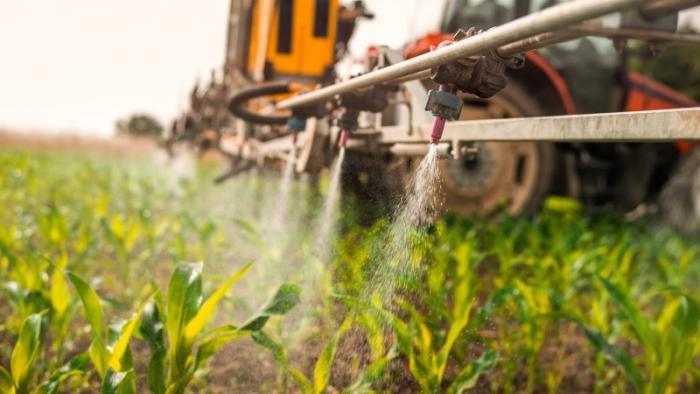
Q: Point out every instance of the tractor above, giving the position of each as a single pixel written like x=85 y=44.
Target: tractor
x=284 y=48
x=588 y=75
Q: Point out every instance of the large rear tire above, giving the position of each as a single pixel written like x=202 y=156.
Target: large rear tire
x=513 y=176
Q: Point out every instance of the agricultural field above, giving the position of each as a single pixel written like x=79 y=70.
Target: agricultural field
x=119 y=275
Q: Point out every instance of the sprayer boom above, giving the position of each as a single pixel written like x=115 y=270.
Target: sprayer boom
x=548 y=20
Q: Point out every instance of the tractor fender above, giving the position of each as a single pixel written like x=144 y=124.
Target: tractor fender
x=544 y=84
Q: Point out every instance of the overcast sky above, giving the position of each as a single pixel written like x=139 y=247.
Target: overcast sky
x=78 y=65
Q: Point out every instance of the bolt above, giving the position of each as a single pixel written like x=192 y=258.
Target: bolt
x=467 y=150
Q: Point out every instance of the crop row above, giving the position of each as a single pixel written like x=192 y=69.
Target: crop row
x=98 y=293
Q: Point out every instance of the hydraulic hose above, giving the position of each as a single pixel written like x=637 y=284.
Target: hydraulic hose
x=238 y=104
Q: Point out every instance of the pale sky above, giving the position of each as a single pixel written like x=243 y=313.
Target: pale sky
x=78 y=65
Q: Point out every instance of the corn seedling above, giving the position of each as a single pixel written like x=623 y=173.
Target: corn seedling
x=24 y=356
x=182 y=319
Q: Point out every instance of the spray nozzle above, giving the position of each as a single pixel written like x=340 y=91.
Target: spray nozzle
x=443 y=104
x=296 y=125
x=438 y=128
x=343 y=141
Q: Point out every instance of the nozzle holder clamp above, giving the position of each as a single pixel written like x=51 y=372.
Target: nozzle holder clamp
x=480 y=75
x=444 y=104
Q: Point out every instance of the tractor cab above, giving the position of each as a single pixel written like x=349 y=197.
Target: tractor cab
x=297 y=40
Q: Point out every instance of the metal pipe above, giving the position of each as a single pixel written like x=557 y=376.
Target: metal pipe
x=425 y=74
x=637 y=34
x=642 y=126
x=443 y=149
x=537 y=42
x=549 y=19
x=572 y=33
x=659 y=8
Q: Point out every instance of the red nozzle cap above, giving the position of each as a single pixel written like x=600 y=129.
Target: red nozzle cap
x=343 y=138
x=438 y=127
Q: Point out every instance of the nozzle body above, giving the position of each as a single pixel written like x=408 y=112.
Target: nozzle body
x=343 y=141
x=438 y=128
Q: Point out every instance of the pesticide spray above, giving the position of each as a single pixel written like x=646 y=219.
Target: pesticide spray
x=326 y=228
x=281 y=206
x=415 y=212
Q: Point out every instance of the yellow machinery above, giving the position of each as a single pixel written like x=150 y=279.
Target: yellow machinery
x=282 y=39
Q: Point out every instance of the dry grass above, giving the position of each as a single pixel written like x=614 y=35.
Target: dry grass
x=39 y=141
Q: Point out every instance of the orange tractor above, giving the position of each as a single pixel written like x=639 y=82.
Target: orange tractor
x=589 y=75
x=280 y=52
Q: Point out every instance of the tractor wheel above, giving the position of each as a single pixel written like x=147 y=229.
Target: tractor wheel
x=514 y=176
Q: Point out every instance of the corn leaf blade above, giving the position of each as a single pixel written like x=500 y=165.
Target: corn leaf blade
x=122 y=344
x=26 y=351
x=7 y=384
x=286 y=298
x=206 y=312
x=322 y=369
x=94 y=315
x=467 y=378
x=118 y=382
x=152 y=331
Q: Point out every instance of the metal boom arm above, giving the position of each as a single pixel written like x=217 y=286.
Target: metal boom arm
x=548 y=20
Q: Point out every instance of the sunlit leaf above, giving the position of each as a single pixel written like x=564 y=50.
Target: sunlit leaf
x=94 y=315
x=26 y=351
x=206 y=311
x=286 y=297
x=118 y=382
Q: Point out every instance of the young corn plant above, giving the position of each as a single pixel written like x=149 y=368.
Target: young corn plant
x=182 y=319
x=109 y=351
x=38 y=285
x=428 y=337
x=669 y=343
x=24 y=356
x=366 y=320
x=318 y=383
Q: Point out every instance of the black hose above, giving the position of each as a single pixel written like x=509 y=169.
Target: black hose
x=238 y=104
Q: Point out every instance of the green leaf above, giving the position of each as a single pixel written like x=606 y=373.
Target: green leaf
x=277 y=350
x=641 y=326
x=7 y=385
x=286 y=297
x=152 y=330
x=92 y=309
x=118 y=382
x=214 y=339
x=78 y=365
x=122 y=344
x=26 y=351
x=58 y=293
x=280 y=355
x=322 y=369
x=467 y=377
x=206 y=312
x=184 y=299
x=615 y=354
